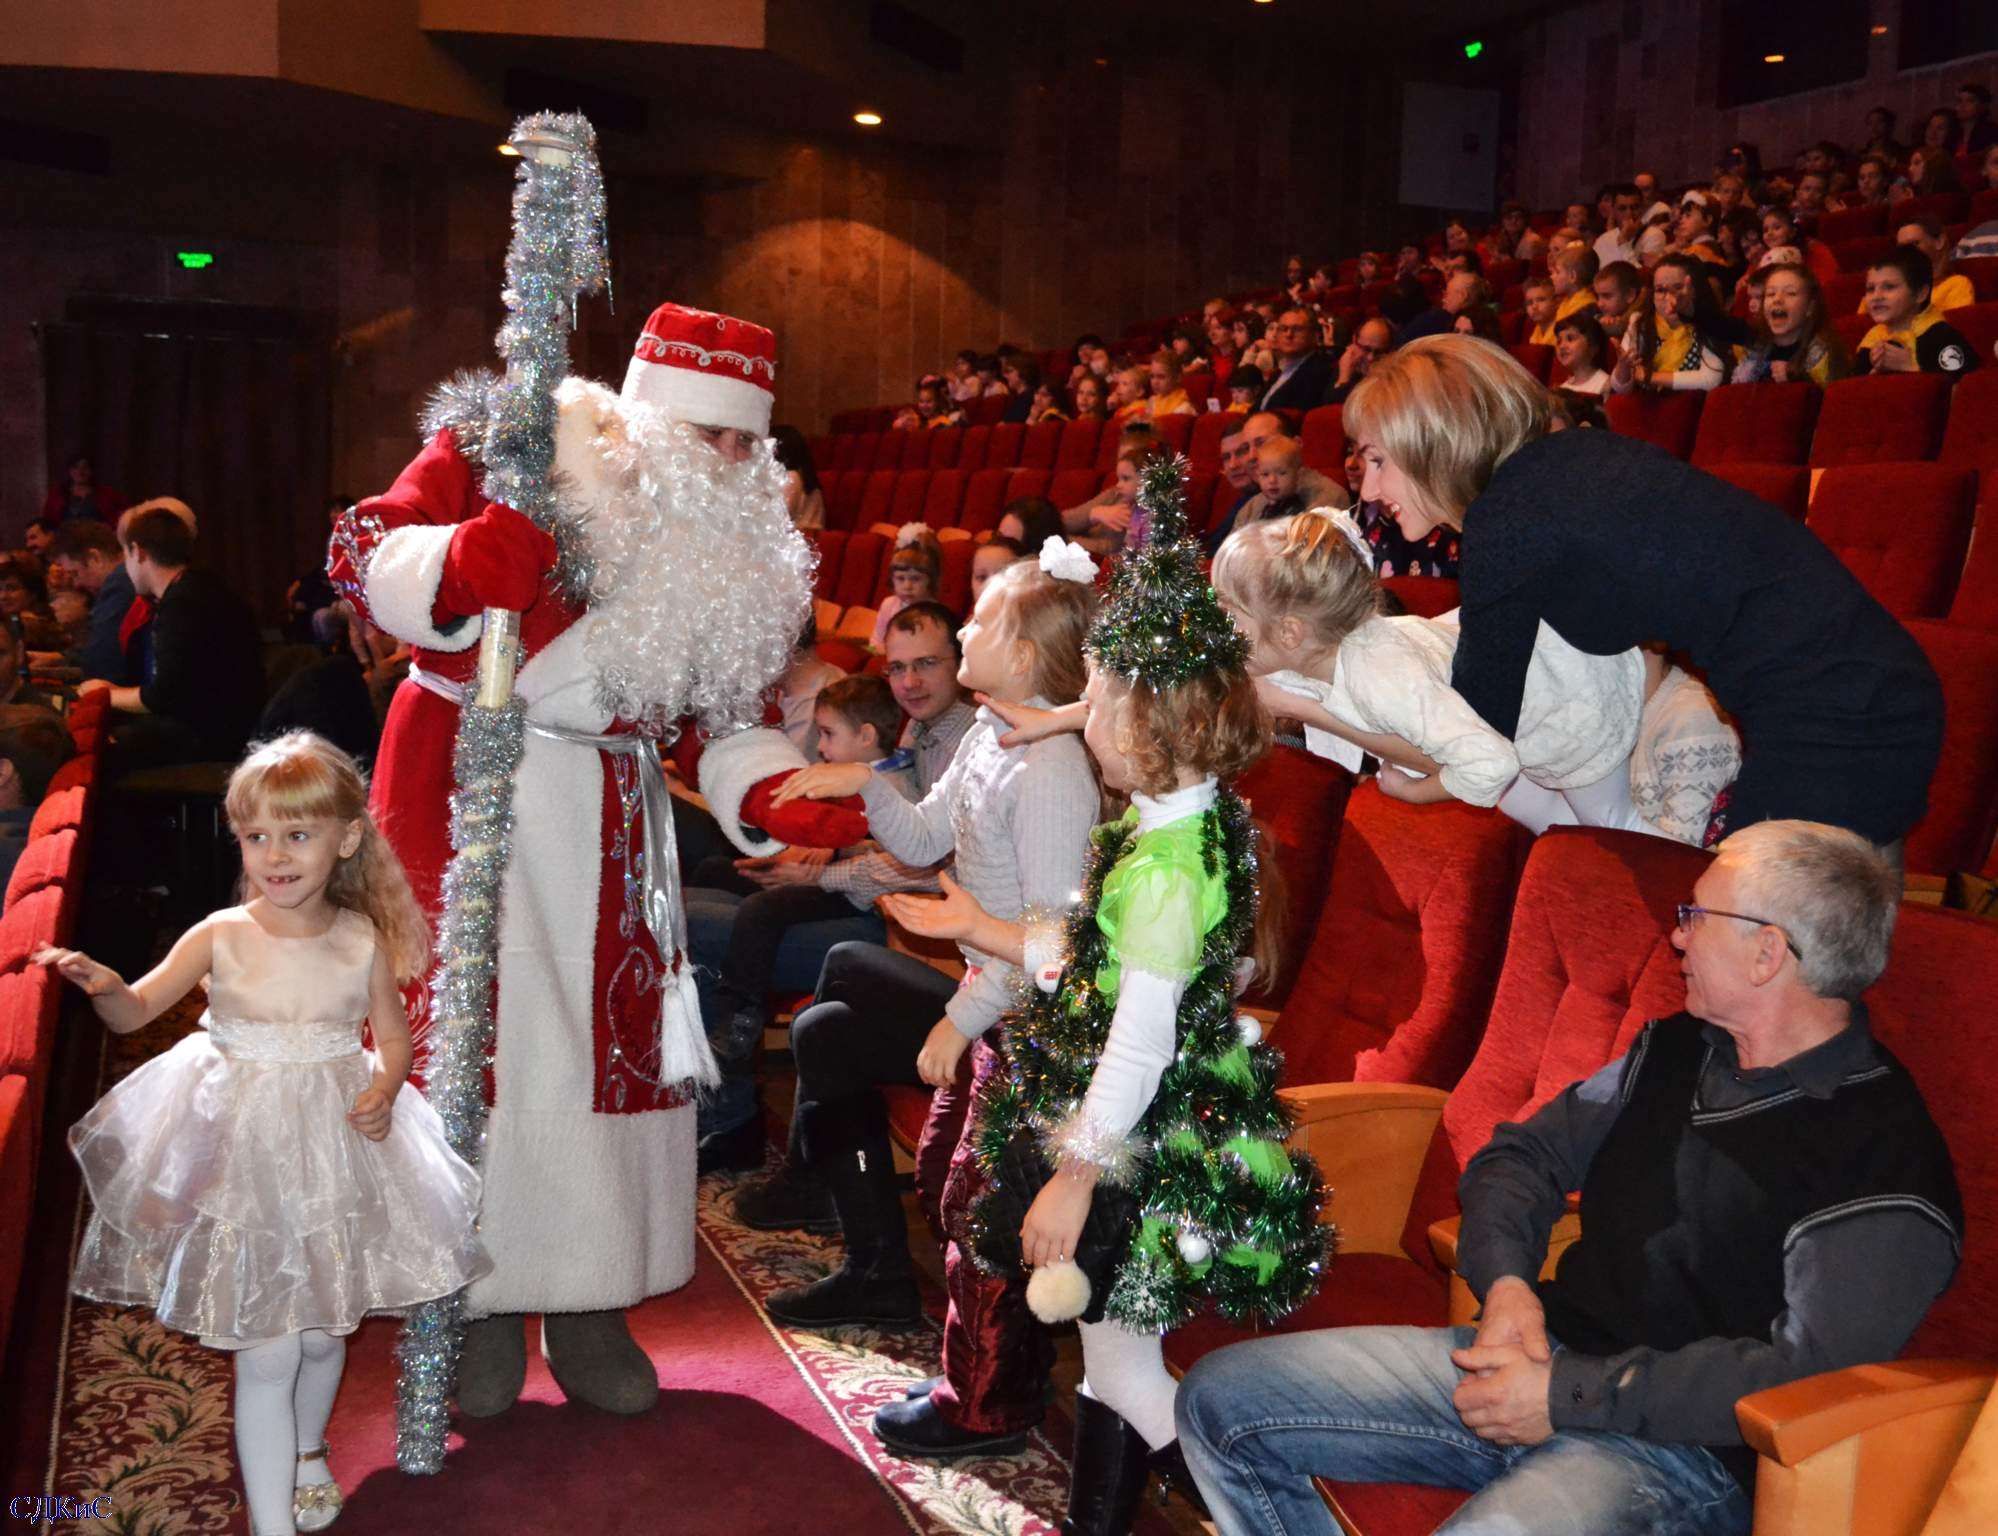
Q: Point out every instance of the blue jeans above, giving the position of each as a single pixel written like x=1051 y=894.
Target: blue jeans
x=1259 y=1420
x=778 y=954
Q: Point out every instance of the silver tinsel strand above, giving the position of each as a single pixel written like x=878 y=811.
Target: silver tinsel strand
x=559 y=249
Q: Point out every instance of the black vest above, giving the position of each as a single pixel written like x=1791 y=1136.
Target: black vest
x=1687 y=1212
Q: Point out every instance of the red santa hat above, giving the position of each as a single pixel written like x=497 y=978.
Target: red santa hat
x=708 y=369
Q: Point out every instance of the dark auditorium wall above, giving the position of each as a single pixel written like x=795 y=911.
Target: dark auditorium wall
x=1606 y=86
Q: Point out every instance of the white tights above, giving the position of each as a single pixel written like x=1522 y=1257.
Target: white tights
x=1605 y=803
x=284 y=1396
x=1126 y=1372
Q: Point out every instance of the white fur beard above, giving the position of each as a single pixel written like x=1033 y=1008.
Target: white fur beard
x=700 y=583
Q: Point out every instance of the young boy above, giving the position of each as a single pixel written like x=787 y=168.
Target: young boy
x=858 y=721
x=1616 y=286
x=1277 y=464
x=1573 y=274
x=1540 y=311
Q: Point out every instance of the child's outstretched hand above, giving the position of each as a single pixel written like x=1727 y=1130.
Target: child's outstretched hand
x=955 y=917
x=1030 y=724
x=823 y=781
x=373 y=1109
x=74 y=966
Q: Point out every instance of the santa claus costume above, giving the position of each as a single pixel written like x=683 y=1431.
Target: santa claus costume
x=674 y=584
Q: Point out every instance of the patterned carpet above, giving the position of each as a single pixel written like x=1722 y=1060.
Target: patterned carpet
x=144 y=1418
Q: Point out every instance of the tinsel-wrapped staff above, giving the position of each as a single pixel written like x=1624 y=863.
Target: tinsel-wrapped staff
x=559 y=250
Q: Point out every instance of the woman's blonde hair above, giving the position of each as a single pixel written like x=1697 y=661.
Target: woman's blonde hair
x=1448 y=410
x=1053 y=617
x=304 y=777
x=1300 y=566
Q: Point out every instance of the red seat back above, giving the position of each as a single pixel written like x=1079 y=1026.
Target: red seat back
x=954 y=586
x=972 y=451
x=60 y=810
x=877 y=500
x=1786 y=487
x=1858 y=254
x=1025 y=482
x=1040 y=445
x=1077 y=449
x=1400 y=974
x=859 y=564
x=829 y=545
x=944 y=497
x=1979 y=324
x=984 y=499
x=1002 y=449
x=1983 y=274
x=1667 y=419
x=867 y=450
x=912 y=489
x=1882 y=416
x=1851 y=224
x=1843 y=293
x=1072 y=487
x=1970 y=435
x=1176 y=432
x=1976 y=604
x=1536 y=359
x=1324 y=441
x=1205 y=447
x=1756 y=424
x=986 y=410
x=1299 y=801
x=945 y=444
x=45 y=862
x=1902 y=529
x=1956 y=831
x=78 y=771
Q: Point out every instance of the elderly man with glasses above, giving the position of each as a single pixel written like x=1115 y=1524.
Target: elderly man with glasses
x=1763 y=1197
x=1303 y=369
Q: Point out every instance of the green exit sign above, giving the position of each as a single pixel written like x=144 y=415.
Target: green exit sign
x=194 y=261
x=1472 y=50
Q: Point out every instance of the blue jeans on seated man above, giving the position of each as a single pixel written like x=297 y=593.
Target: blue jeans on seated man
x=1259 y=1420
x=743 y=948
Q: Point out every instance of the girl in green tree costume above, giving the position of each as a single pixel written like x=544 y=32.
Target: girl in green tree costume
x=1138 y=1134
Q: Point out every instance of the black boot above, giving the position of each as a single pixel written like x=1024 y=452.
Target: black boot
x=1175 y=1476
x=793 y=1199
x=848 y=1141
x=1107 y=1476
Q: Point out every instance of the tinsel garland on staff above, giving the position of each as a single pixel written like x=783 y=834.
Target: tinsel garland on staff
x=558 y=250
x=1229 y=1214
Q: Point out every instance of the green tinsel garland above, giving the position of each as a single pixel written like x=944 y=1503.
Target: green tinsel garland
x=1211 y=1167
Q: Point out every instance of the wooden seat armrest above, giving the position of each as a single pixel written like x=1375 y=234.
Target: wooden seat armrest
x=1369 y=1140
x=939 y=954
x=1789 y=1423
x=1443 y=1237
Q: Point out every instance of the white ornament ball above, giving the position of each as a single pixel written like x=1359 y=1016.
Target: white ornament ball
x=1058 y=1292
x=1194 y=1248
x=1249 y=1027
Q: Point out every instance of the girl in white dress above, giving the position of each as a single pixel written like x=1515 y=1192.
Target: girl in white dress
x=267 y=1183
x=1303 y=589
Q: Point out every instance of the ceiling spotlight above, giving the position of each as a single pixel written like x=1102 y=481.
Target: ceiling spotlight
x=1773 y=58
x=508 y=149
x=1879 y=31
x=868 y=119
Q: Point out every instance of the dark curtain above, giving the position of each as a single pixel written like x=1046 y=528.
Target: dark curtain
x=237 y=426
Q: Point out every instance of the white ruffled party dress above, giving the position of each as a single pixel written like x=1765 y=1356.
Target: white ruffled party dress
x=232 y=1196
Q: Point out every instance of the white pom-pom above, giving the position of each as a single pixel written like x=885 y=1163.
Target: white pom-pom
x=1058 y=1292
x=1194 y=1248
x=1249 y=1027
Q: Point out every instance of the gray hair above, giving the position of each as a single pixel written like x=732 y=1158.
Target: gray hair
x=1831 y=890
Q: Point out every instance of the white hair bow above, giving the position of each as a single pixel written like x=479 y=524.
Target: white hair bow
x=1067 y=562
x=1349 y=525
x=910 y=533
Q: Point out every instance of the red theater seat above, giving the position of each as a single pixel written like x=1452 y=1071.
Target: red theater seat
x=841 y=454
x=1787 y=487
x=78 y=771
x=1859 y=254
x=1299 y=801
x=830 y=546
x=972 y=451
x=954 y=586
x=1078 y=443
x=1667 y=419
x=1979 y=324
x=1424 y=596
x=17 y=1190
x=1041 y=444
x=1072 y=487
x=1983 y=274
x=47 y=862
x=1205 y=449
x=1220 y=503
x=944 y=497
x=27 y=925
x=859 y=564
x=1325 y=441
x=1944 y=207
x=945 y=444
x=1963 y=796
x=61 y=810
x=1002 y=449
x=912 y=489
x=986 y=410
x=877 y=498
x=1851 y=224
x=1902 y=529
x=844 y=493
x=1026 y=482
x=867 y=452
x=1881 y=417
x=1756 y=424
x=1843 y=293
x=1970 y=437
x=1535 y=359
x=897 y=446
x=1176 y=432
x=1851 y=328
x=1976 y=605
x=984 y=500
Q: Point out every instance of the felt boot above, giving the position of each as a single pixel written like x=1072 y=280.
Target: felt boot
x=595 y=1360
x=493 y=1367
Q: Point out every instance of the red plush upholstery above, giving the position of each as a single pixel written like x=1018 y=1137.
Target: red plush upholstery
x=843 y=492
x=45 y=862
x=984 y=500
x=1002 y=450
x=944 y=497
x=1072 y=487
x=908 y=1108
x=24 y=1048
x=1299 y=801
x=858 y=568
x=1219 y=505
x=945 y=444
x=1208 y=430
x=1851 y=224
x=1970 y=437
x=1757 y=423
x=1176 y=432
x=1535 y=358
x=1857 y=254
x=1979 y=324
x=1884 y=416
x=17 y=1191
x=841 y=457
x=1976 y=605
x=1787 y=487
x=1025 y=482
x=971 y=453
x=1668 y=419
x=1424 y=596
x=63 y=809
x=1399 y=976
x=954 y=585
x=867 y=451
x=897 y=447
x=1982 y=272
x=1078 y=443
x=77 y=771
x=1963 y=796
x=27 y=925
x=1042 y=442
x=912 y=487
x=986 y=410
x=1325 y=441
x=877 y=499
x=1900 y=528
x=1360 y=1289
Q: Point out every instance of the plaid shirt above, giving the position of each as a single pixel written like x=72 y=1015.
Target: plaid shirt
x=875 y=873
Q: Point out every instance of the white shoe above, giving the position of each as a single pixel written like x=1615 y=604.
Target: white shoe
x=314 y=1506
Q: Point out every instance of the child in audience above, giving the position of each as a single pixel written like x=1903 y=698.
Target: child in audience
x=1303 y=591
x=1579 y=347
x=990 y=559
x=1046 y=404
x=1277 y=464
x=1909 y=335
x=1089 y=395
x=1573 y=274
x=33 y=745
x=266 y=1183
x=913 y=573
x=1794 y=337
x=1540 y=311
x=1616 y=289
x=1681 y=341
x=1017 y=821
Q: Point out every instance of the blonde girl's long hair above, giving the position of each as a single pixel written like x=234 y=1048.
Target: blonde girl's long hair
x=1300 y=566
x=302 y=776
x=1052 y=616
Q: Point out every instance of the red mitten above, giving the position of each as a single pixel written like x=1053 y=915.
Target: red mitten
x=496 y=560
x=804 y=823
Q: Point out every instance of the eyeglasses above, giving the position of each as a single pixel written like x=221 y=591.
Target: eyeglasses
x=1688 y=911
x=922 y=666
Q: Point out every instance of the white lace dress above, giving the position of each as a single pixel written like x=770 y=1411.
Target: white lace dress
x=230 y=1193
